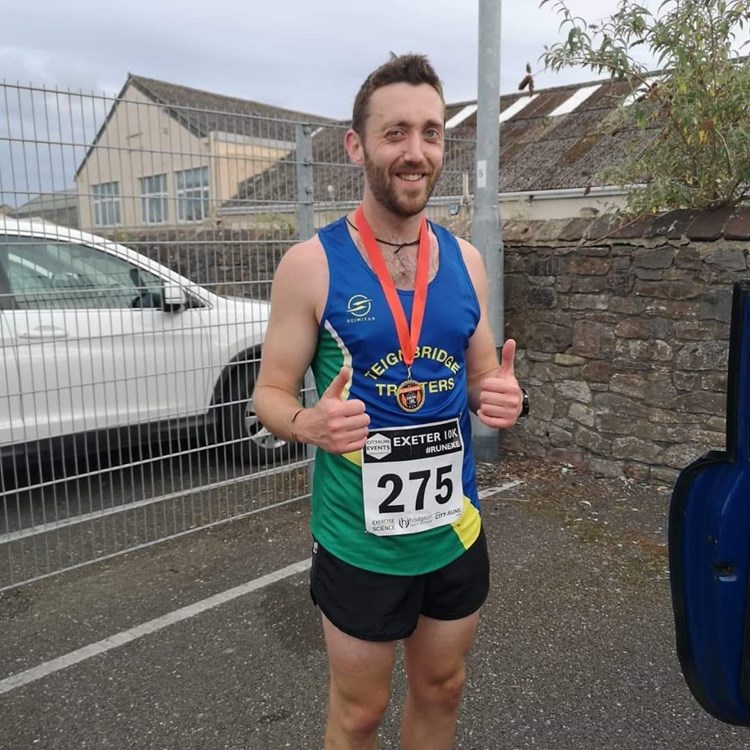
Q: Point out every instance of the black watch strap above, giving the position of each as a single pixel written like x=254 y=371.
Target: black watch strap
x=524 y=403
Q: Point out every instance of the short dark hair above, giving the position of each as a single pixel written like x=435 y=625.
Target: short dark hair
x=413 y=69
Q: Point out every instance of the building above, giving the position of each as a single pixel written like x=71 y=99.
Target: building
x=169 y=155
x=60 y=207
x=555 y=144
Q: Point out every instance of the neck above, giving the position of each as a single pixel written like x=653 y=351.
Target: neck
x=389 y=226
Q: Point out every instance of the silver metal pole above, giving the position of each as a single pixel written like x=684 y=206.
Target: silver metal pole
x=305 y=208
x=485 y=233
x=305 y=230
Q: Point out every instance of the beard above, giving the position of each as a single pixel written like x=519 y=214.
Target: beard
x=385 y=193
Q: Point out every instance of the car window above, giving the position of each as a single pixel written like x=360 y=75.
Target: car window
x=54 y=274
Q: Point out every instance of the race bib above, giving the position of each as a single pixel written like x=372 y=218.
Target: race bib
x=412 y=478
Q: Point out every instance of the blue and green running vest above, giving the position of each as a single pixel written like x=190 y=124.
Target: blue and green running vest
x=357 y=330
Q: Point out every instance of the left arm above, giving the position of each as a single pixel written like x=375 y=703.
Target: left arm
x=494 y=393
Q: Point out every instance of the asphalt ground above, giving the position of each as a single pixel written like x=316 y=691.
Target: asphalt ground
x=575 y=648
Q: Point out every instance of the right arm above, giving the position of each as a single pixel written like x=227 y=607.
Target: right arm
x=298 y=297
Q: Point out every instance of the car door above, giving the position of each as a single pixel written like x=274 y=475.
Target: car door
x=11 y=418
x=709 y=549
x=95 y=349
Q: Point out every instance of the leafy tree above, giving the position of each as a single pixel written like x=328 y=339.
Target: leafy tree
x=693 y=114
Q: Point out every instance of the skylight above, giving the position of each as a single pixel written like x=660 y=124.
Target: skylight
x=640 y=91
x=516 y=107
x=459 y=117
x=576 y=100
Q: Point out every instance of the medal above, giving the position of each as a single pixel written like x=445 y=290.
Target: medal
x=410 y=395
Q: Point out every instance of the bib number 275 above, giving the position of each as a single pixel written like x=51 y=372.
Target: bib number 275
x=434 y=484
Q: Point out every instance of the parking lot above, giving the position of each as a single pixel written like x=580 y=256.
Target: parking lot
x=210 y=640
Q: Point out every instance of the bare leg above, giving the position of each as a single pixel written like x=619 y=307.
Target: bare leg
x=360 y=689
x=435 y=667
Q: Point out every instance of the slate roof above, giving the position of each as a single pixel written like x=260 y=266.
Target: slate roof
x=538 y=151
x=62 y=199
x=203 y=112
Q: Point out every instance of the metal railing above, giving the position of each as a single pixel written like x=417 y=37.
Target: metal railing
x=138 y=239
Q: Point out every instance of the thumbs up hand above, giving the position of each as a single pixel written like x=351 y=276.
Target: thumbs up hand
x=333 y=424
x=500 y=398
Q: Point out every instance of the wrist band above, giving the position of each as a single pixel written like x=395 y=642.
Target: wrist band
x=294 y=416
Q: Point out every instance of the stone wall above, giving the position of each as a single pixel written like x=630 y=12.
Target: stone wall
x=622 y=330
x=623 y=337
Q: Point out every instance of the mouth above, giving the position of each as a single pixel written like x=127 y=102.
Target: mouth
x=411 y=177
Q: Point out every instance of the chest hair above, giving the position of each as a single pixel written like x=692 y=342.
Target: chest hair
x=402 y=265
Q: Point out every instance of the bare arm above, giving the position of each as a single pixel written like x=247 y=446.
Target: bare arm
x=494 y=393
x=299 y=285
x=298 y=295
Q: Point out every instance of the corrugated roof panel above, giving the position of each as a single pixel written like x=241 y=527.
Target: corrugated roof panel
x=460 y=116
x=516 y=107
x=642 y=90
x=574 y=101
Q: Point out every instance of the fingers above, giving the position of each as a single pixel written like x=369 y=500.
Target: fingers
x=346 y=427
x=499 y=401
x=338 y=384
x=341 y=424
x=507 y=360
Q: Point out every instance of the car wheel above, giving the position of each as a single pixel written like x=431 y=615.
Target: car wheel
x=240 y=429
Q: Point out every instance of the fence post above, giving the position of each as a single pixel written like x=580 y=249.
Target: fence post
x=305 y=207
x=305 y=230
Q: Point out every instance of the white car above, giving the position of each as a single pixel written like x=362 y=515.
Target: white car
x=102 y=346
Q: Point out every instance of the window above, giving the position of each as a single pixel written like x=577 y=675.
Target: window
x=49 y=274
x=106 y=204
x=192 y=194
x=154 y=199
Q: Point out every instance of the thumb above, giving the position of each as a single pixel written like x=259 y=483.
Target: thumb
x=338 y=384
x=508 y=356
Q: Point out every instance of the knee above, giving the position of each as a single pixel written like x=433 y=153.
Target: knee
x=361 y=717
x=444 y=691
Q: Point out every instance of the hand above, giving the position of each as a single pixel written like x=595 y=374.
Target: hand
x=500 y=398
x=334 y=424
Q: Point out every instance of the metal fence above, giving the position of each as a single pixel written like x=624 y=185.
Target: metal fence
x=138 y=239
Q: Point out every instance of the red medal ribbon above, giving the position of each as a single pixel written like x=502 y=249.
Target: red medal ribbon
x=408 y=336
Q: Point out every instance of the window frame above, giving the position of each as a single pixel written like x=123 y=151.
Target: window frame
x=151 y=198
x=103 y=202
x=185 y=195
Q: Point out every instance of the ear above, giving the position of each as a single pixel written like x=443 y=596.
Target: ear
x=354 y=147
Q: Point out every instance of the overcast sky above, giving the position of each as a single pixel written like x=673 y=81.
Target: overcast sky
x=305 y=55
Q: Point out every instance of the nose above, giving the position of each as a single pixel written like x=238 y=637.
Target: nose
x=413 y=148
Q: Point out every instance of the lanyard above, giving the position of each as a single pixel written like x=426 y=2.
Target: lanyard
x=408 y=336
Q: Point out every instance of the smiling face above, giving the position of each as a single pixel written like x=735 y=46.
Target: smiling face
x=402 y=146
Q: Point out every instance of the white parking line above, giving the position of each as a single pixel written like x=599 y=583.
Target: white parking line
x=152 y=626
x=490 y=491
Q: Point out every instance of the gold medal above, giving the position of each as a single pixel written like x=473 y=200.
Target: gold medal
x=410 y=395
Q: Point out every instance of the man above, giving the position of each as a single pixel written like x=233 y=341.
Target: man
x=390 y=313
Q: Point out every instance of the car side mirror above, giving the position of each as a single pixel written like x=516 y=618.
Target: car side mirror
x=173 y=298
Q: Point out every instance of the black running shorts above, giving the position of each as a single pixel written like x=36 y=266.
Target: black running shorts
x=379 y=607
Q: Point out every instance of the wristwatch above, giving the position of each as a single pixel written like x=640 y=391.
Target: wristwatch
x=524 y=403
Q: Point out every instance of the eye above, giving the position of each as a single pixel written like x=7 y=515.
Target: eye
x=395 y=134
x=433 y=134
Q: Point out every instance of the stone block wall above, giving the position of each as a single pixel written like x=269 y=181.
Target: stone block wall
x=623 y=337
x=622 y=329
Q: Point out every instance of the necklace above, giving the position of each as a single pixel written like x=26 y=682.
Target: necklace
x=397 y=245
